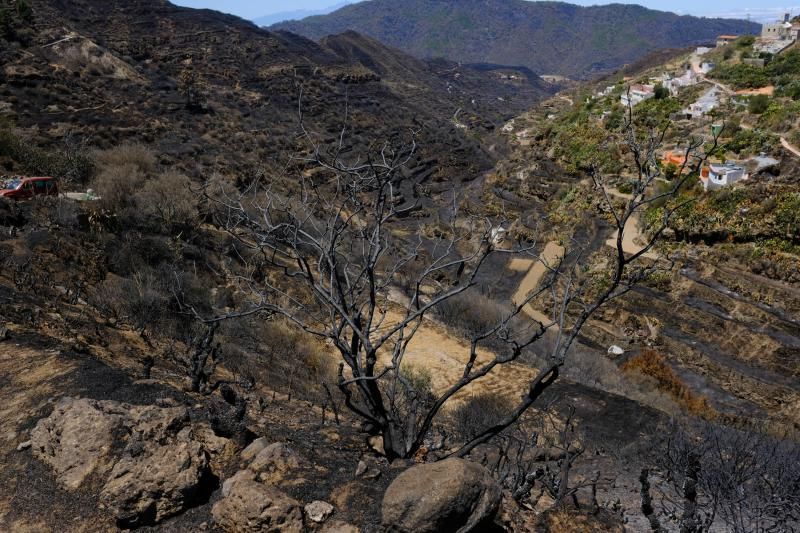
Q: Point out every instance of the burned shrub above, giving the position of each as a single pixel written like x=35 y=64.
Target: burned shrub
x=478 y=413
x=166 y=204
x=472 y=313
x=116 y=186
x=276 y=354
x=129 y=154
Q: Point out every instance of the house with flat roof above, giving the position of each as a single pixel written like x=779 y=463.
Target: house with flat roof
x=782 y=30
x=707 y=102
x=718 y=175
x=637 y=94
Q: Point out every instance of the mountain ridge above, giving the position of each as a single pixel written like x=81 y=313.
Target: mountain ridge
x=569 y=40
x=296 y=14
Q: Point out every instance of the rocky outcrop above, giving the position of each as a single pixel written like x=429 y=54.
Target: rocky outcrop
x=153 y=460
x=453 y=495
x=249 y=506
x=78 y=438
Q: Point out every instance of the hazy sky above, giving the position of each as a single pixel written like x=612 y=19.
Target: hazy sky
x=757 y=9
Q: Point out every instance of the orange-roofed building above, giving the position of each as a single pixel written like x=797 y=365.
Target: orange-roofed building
x=724 y=40
x=677 y=159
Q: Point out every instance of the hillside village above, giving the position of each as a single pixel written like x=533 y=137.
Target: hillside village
x=760 y=113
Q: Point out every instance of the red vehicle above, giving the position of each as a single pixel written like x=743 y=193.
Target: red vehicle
x=20 y=188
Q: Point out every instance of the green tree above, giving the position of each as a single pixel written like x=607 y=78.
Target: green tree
x=670 y=171
x=661 y=92
x=758 y=104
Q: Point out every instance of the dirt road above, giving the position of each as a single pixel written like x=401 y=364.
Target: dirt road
x=552 y=254
x=631 y=239
x=789 y=147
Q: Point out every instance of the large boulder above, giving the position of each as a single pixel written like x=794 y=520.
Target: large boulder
x=78 y=439
x=248 y=506
x=154 y=480
x=453 y=495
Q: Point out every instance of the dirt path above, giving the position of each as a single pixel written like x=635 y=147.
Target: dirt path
x=631 y=239
x=791 y=148
x=727 y=90
x=444 y=354
x=696 y=61
x=550 y=257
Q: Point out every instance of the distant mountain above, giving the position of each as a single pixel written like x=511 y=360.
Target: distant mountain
x=298 y=14
x=547 y=37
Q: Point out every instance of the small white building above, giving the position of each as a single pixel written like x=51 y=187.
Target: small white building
x=688 y=79
x=605 y=92
x=717 y=176
x=637 y=94
x=704 y=104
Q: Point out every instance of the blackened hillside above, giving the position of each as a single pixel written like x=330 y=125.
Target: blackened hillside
x=107 y=71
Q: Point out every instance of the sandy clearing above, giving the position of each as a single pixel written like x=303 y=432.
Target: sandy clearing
x=32 y=376
x=444 y=356
x=769 y=90
x=552 y=254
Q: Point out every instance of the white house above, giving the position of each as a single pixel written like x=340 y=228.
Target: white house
x=704 y=104
x=688 y=79
x=717 y=176
x=637 y=94
x=605 y=92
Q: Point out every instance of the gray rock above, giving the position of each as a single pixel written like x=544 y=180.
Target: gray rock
x=453 y=495
x=367 y=468
x=318 y=511
x=250 y=506
x=376 y=443
x=361 y=468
